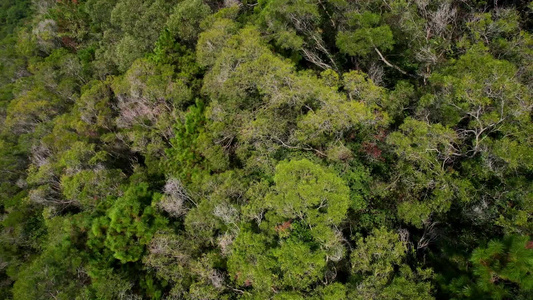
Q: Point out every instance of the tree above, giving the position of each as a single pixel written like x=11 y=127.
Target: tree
x=503 y=262
x=148 y=102
x=270 y=149
x=94 y=106
x=296 y=26
x=375 y=262
x=422 y=182
x=483 y=93
x=129 y=224
x=301 y=212
x=369 y=35
x=186 y=18
x=57 y=272
x=305 y=191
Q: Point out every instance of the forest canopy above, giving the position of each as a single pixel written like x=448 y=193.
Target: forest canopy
x=266 y=149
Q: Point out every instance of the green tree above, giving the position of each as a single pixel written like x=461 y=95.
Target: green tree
x=380 y=270
x=502 y=262
x=129 y=224
x=369 y=35
x=185 y=20
x=57 y=272
x=421 y=178
x=296 y=26
x=307 y=202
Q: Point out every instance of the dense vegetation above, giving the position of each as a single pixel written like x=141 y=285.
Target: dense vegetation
x=278 y=149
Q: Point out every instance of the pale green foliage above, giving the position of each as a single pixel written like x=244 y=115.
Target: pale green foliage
x=287 y=19
x=299 y=265
x=334 y=291
x=314 y=200
x=484 y=92
x=147 y=100
x=269 y=149
x=316 y=127
x=359 y=87
x=135 y=26
x=89 y=187
x=377 y=259
x=171 y=256
x=204 y=228
x=368 y=34
x=482 y=88
x=423 y=151
x=378 y=253
x=94 y=107
x=288 y=296
x=501 y=33
x=248 y=78
x=249 y=262
x=106 y=285
x=290 y=21
x=85 y=182
x=221 y=195
x=152 y=83
x=127 y=50
x=211 y=42
x=295 y=25
x=184 y=22
x=424 y=144
x=24 y=113
x=45 y=35
x=306 y=191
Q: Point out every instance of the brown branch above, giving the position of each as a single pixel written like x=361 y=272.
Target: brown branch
x=391 y=65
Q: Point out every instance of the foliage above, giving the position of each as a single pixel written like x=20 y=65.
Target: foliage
x=270 y=149
x=508 y=260
x=129 y=224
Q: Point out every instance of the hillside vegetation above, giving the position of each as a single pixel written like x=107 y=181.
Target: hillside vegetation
x=266 y=149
